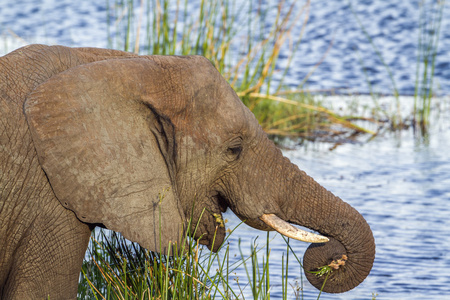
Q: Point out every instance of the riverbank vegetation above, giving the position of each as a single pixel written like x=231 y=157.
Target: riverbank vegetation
x=244 y=44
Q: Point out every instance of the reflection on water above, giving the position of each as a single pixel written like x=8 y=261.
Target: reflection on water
x=402 y=188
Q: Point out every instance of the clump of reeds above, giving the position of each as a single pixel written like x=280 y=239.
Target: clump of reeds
x=243 y=41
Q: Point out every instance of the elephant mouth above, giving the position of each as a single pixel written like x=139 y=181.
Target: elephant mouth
x=209 y=229
x=221 y=201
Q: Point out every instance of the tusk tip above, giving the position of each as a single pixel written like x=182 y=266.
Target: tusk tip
x=323 y=238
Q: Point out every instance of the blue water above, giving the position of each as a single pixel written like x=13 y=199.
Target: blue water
x=400 y=183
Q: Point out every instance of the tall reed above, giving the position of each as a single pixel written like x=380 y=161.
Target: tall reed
x=427 y=47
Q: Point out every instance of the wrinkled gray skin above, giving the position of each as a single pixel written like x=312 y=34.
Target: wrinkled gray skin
x=94 y=136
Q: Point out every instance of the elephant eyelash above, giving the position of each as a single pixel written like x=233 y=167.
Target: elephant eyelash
x=234 y=150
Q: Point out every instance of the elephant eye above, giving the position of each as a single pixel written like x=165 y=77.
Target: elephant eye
x=234 y=150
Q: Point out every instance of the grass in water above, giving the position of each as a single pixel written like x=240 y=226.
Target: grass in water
x=429 y=23
x=244 y=42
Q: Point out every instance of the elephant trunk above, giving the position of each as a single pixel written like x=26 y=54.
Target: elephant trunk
x=351 y=249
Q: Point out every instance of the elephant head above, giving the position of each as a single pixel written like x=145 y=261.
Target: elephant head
x=143 y=145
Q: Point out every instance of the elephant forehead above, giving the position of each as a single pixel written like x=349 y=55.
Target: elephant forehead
x=229 y=106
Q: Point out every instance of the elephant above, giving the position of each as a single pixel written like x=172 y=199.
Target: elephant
x=146 y=146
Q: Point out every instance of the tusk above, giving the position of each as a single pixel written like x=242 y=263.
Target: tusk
x=288 y=230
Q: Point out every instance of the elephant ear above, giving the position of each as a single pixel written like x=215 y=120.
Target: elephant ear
x=108 y=154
